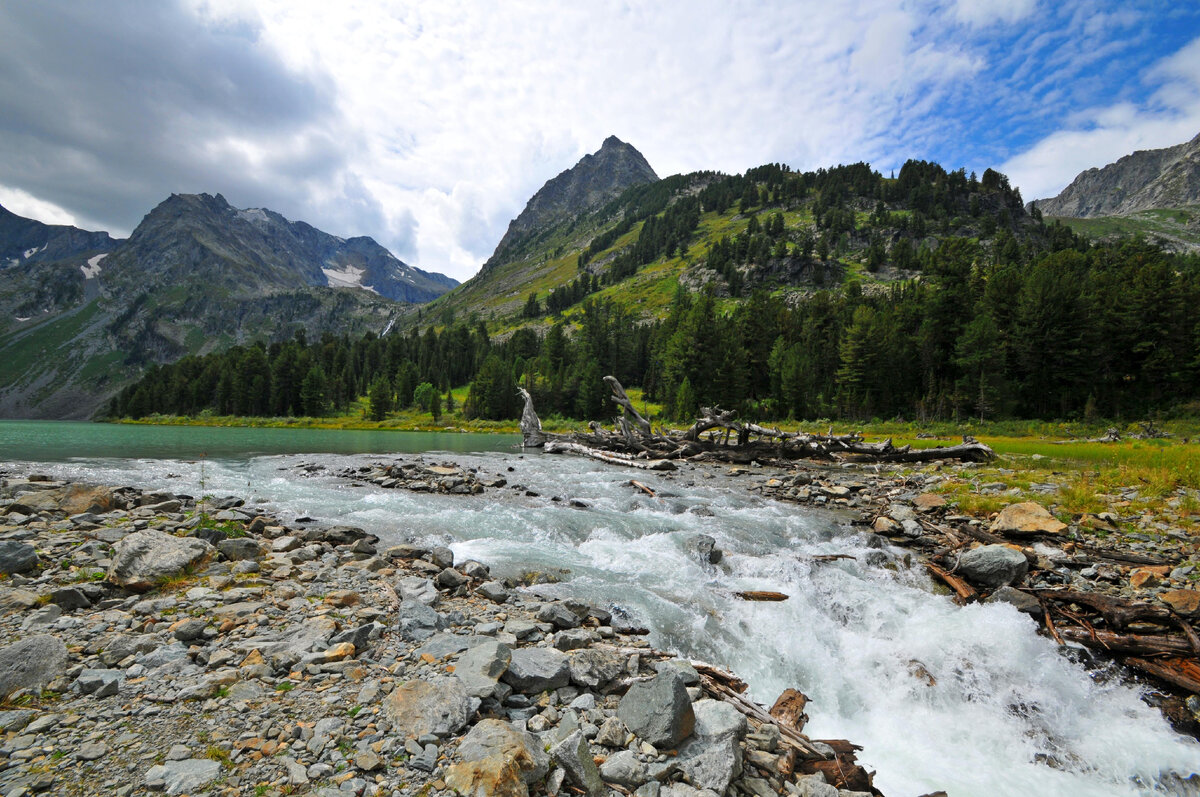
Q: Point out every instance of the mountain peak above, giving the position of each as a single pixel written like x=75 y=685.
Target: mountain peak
x=1145 y=179
x=594 y=180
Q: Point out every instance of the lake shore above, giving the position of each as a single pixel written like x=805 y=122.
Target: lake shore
x=154 y=642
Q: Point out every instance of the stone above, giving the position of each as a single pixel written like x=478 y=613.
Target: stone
x=421 y=590
x=17 y=557
x=497 y=759
x=367 y=761
x=69 y=599
x=1184 y=601
x=815 y=786
x=613 y=733
x=450 y=578
x=624 y=769
x=658 y=710
x=188 y=630
x=711 y=758
x=685 y=670
x=574 y=756
x=240 y=549
x=1023 y=601
x=1145 y=578
x=297 y=774
x=144 y=559
x=927 y=502
x=536 y=670
x=186 y=776
x=481 y=666
x=285 y=544
x=493 y=591
x=101 y=683
x=17 y=600
x=442 y=556
x=574 y=639
x=594 y=669
x=79 y=498
x=439 y=706
x=90 y=751
x=993 y=565
x=31 y=664
x=558 y=615
x=1026 y=518
x=417 y=622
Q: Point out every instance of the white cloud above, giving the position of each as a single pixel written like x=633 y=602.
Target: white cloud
x=982 y=13
x=26 y=204
x=1102 y=135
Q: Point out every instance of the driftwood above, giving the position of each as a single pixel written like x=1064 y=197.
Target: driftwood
x=965 y=592
x=761 y=595
x=718 y=435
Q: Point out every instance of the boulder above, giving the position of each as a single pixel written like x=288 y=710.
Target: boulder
x=417 y=622
x=558 y=615
x=31 y=664
x=536 y=670
x=144 y=559
x=1026 y=518
x=711 y=758
x=594 y=669
x=440 y=706
x=240 y=549
x=993 y=565
x=17 y=557
x=79 y=498
x=624 y=769
x=575 y=757
x=658 y=710
x=493 y=591
x=497 y=759
x=421 y=590
x=480 y=668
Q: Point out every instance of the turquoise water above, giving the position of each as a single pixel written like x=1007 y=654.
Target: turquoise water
x=60 y=441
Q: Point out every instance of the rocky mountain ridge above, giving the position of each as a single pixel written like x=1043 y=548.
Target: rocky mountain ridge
x=1143 y=180
x=594 y=180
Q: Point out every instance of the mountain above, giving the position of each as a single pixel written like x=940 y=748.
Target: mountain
x=81 y=315
x=584 y=187
x=1146 y=180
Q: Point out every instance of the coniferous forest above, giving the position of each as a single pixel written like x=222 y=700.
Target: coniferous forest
x=1003 y=316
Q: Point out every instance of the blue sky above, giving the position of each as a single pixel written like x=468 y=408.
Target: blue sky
x=428 y=125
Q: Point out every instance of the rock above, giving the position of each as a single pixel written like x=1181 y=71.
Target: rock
x=685 y=670
x=497 y=759
x=574 y=639
x=1023 y=601
x=187 y=776
x=240 y=549
x=558 y=615
x=17 y=557
x=79 y=498
x=927 y=502
x=16 y=600
x=421 y=590
x=624 y=769
x=1026 y=518
x=417 y=622
x=285 y=544
x=613 y=733
x=1147 y=577
x=101 y=683
x=815 y=786
x=493 y=591
x=188 y=630
x=594 y=669
x=31 y=664
x=711 y=758
x=993 y=565
x=90 y=751
x=706 y=550
x=658 y=710
x=442 y=556
x=536 y=670
x=1184 y=601
x=450 y=578
x=444 y=644
x=367 y=761
x=144 y=559
x=480 y=668
x=574 y=756
x=440 y=706
x=69 y=599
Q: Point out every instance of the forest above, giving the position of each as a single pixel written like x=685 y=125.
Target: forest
x=1004 y=317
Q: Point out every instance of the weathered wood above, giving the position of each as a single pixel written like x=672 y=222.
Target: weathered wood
x=642 y=487
x=788 y=710
x=1118 y=612
x=761 y=595
x=965 y=591
x=622 y=400
x=1128 y=644
x=531 y=424
x=755 y=711
x=1124 y=556
x=611 y=457
x=1181 y=672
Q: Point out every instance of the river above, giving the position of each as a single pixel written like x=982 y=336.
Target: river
x=969 y=700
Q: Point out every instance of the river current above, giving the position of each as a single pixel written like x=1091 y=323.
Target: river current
x=969 y=700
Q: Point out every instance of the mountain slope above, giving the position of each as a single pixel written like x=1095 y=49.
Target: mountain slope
x=587 y=185
x=196 y=275
x=1145 y=180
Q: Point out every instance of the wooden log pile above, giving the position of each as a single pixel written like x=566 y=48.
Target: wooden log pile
x=717 y=435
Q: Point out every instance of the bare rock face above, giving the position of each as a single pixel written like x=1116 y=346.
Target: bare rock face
x=1027 y=518
x=1156 y=178
x=145 y=558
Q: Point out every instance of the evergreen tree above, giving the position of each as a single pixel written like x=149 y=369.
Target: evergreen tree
x=379 y=398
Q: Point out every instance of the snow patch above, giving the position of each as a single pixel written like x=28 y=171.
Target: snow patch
x=92 y=269
x=18 y=318
x=349 y=277
x=28 y=253
x=254 y=215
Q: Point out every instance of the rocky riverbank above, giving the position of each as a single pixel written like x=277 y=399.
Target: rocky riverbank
x=151 y=642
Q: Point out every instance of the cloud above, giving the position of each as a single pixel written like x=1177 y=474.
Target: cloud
x=1102 y=134
x=982 y=13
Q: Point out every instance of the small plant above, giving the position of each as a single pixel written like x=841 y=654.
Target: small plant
x=221 y=756
x=222 y=692
x=284 y=686
x=353 y=712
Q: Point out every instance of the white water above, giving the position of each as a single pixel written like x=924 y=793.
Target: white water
x=1005 y=701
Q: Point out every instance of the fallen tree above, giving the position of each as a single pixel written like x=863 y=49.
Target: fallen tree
x=718 y=435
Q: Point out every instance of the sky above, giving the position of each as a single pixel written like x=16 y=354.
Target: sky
x=428 y=125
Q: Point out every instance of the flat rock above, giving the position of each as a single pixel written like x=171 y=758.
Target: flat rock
x=536 y=670
x=440 y=706
x=1026 y=518
x=481 y=666
x=186 y=776
x=31 y=664
x=575 y=757
x=142 y=560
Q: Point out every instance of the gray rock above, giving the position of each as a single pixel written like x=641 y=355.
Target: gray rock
x=31 y=664
x=651 y=789
x=624 y=769
x=444 y=644
x=558 y=615
x=494 y=591
x=613 y=733
x=439 y=706
x=451 y=579
x=359 y=637
x=17 y=557
x=476 y=570
x=101 y=683
x=658 y=710
x=145 y=558
x=43 y=617
x=15 y=720
x=1023 y=601
x=594 y=669
x=240 y=549
x=514 y=750
x=993 y=565
x=421 y=590
x=574 y=756
x=187 y=776
x=706 y=550
x=711 y=758
x=815 y=786
x=480 y=668
x=685 y=670
x=70 y=599
x=536 y=670
x=418 y=622
x=90 y=751
x=442 y=556
x=574 y=639
x=297 y=774
x=190 y=629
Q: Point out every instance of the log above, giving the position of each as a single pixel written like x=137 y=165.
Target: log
x=611 y=457
x=1119 y=613
x=531 y=424
x=642 y=487
x=1128 y=644
x=1181 y=672
x=761 y=595
x=622 y=400
x=751 y=709
x=965 y=591
x=788 y=710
